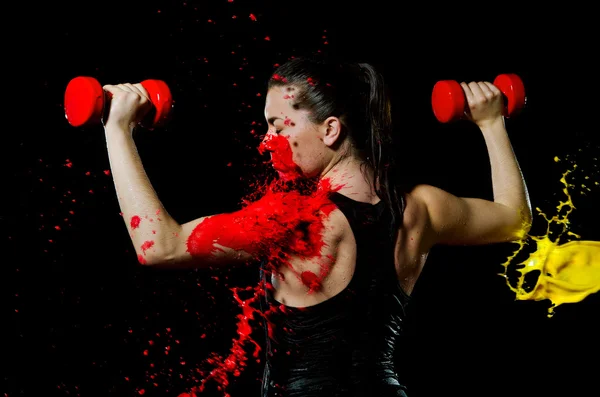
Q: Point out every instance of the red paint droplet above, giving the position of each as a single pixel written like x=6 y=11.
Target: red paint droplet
x=135 y=221
x=146 y=246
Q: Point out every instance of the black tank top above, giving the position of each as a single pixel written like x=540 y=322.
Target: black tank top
x=346 y=345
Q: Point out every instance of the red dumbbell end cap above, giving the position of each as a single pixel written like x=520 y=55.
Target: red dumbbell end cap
x=161 y=98
x=84 y=101
x=448 y=101
x=513 y=88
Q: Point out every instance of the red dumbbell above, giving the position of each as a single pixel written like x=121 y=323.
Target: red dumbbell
x=449 y=102
x=85 y=102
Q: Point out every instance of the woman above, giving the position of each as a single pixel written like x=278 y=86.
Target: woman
x=341 y=246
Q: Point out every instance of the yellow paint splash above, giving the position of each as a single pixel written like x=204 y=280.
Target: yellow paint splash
x=568 y=272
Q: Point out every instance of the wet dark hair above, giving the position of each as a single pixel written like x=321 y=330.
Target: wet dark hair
x=356 y=93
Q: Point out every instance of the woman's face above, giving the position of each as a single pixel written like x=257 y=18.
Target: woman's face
x=306 y=151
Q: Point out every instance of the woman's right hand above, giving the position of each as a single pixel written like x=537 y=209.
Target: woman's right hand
x=484 y=101
x=129 y=103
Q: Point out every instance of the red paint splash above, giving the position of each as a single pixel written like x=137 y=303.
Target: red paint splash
x=286 y=221
x=236 y=361
x=276 y=227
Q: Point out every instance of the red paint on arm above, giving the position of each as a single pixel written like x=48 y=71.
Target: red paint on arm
x=280 y=221
x=135 y=222
x=146 y=246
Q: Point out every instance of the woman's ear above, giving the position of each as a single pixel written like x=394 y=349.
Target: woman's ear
x=331 y=130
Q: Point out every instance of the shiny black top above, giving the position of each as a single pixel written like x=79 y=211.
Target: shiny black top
x=346 y=345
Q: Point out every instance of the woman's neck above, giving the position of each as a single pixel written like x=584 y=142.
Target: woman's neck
x=353 y=178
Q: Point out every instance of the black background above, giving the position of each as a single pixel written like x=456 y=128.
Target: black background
x=81 y=311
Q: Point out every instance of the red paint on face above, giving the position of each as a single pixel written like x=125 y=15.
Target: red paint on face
x=135 y=221
x=281 y=156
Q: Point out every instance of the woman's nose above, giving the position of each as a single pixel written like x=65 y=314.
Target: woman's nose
x=269 y=135
x=266 y=142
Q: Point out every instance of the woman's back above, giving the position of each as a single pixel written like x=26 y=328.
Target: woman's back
x=343 y=346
